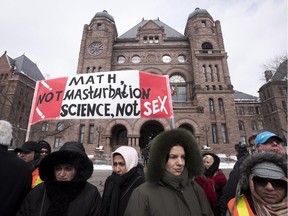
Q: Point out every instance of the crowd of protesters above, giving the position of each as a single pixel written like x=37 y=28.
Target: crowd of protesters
x=178 y=180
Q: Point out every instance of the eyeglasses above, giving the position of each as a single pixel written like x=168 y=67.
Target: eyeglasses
x=119 y=163
x=276 y=183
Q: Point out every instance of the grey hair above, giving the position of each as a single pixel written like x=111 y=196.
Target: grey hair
x=5 y=132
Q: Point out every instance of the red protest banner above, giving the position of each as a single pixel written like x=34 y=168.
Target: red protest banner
x=122 y=94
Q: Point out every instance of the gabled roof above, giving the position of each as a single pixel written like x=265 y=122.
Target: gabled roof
x=281 y=73
x=26 y=66
x=243 y=97
x=170 y=32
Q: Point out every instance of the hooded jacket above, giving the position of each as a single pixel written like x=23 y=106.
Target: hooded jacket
x=243 y=192
x=212 y=182
x=166 y=194
x=76 y=197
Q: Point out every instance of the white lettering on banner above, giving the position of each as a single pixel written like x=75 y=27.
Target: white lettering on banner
x=155 y=106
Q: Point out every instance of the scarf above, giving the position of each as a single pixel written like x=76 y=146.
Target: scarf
x=114 y=192
x=264 y=208
x=60 y=194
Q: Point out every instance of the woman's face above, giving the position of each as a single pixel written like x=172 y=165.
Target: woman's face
x=207 y=163
x=270 y=190
x=176 y=160
x=119 y=165
x=64 y=172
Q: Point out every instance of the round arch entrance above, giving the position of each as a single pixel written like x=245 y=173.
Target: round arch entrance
x=119 y=137
x=188 y=127
x=148 y=131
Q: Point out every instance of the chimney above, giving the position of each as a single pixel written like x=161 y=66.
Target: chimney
x=268 y=75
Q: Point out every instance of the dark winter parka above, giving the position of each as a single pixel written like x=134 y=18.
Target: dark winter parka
x=166 y=194
x=65 y=198
x=124 y=185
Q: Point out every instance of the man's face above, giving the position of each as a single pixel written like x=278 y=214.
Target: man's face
x=272 y=144
x=251 y=146
x=119 y=165
x=27 y=156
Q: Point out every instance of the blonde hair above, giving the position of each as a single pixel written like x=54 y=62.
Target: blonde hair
x=209 y=158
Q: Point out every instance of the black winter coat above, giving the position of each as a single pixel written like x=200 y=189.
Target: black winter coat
x=87 y=203
x=15 y=182
x=64 y=198
x=118 y=189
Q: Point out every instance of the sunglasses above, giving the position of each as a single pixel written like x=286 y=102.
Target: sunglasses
x=276 y=183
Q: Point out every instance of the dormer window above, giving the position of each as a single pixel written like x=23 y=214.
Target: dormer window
x=203 y=23
x=99 y=26
x=151 y=39
x=156 y=39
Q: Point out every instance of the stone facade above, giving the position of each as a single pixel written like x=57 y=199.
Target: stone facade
x=273 y=95
x=196 y=63
x=17 y=82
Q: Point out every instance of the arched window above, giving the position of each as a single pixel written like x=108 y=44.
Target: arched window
x=221 y=105
x=45 y=126
x=260 y=125
x=60 y=126
x=241 y=125
x=207 y=45
x=211 y=105
x=254 y=125
x=178 y=88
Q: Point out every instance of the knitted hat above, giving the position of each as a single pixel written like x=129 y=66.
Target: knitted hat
x=129 y=154
x=263 y=164
x=5 y=132
x=45 y=145
x=264 y=136
x=268 y=170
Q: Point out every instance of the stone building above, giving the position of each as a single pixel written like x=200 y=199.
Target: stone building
x=196 y=63
x=273 y=96
x=249 y=115
x=17 y=81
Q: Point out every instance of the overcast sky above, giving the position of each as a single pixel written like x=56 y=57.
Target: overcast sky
x=49 y=32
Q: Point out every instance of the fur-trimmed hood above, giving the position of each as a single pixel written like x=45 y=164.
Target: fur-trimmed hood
x=70 y=153
x=160 y=149
x=257 y=158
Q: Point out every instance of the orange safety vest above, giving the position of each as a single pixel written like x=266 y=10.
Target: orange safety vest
x=36 y=178
x=241 y=208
